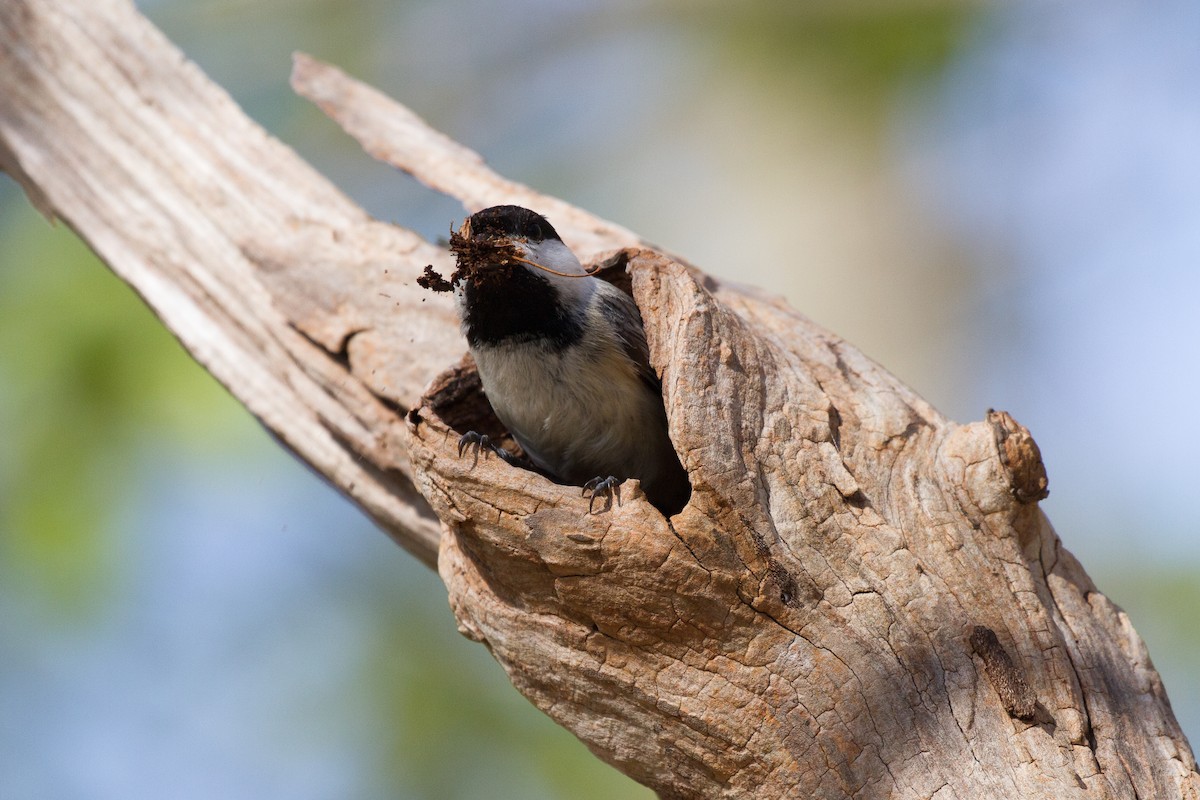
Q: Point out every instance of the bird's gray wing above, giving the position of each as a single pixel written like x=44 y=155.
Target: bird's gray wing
x=620 y=310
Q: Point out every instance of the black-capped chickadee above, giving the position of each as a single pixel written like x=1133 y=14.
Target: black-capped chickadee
x=563 y=360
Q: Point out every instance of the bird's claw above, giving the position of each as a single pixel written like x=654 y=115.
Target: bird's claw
x=472 y=440
x=608 y=488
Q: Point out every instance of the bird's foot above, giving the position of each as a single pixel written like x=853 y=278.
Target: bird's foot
x=477 y=442
x=608 y=488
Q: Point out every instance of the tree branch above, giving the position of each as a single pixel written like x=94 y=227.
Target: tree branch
x=862 y=598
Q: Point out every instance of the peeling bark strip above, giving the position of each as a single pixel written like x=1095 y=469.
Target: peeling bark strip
x=1018 y=699
x=798 y=630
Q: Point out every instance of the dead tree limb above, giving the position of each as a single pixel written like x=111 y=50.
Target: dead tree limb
x=862 y=599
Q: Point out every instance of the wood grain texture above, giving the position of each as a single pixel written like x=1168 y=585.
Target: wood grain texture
x=803 y=628
x=267 y=273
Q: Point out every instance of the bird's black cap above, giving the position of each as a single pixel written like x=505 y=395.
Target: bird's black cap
x=504 y=301
x=504 y=221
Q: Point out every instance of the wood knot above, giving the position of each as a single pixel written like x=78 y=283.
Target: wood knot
x=1006 y=678
x=1020 y=456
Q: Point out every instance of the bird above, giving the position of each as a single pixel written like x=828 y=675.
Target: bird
x=563 y=360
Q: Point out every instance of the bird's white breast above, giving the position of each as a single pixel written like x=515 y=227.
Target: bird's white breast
x=578 y=412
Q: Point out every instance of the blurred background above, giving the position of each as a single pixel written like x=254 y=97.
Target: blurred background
x=1000 y=203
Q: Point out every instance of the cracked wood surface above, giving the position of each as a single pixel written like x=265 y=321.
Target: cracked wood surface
x=862 y=598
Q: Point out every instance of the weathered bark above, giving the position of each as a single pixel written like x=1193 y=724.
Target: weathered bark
x=862 y=598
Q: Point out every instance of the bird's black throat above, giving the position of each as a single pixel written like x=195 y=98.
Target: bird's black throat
x=511 y=304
